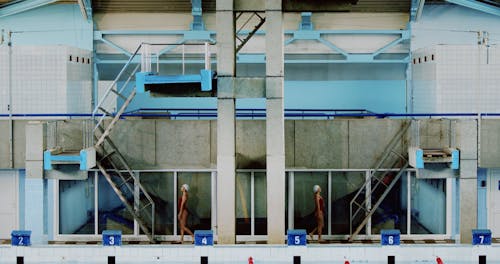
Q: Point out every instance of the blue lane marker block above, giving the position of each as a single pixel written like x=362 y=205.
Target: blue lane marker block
x=297 y=237
x=390 y=237
x=481 y=237
x=20 y=237
x=112 y=238
x=203 y=238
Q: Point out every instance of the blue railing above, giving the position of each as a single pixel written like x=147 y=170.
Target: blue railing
x=257 y=113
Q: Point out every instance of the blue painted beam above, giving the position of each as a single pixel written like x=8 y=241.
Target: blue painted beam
x=197 y=24
x=86 y=9
x=333 y=47
x=388 y=46
x=480 y=6
x=306 y=22
x=417 y=7
x=22 y=6
x=116 y=47
x=420 y=9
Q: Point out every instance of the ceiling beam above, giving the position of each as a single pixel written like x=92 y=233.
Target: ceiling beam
x=86 y=9
x=420 y=8
x=477 y=5
x=22 y=6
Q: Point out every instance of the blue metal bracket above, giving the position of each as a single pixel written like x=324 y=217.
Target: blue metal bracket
x=416 y=9
x=306 y=22
x=196 y=11
x=22 y=6
x=478 y=5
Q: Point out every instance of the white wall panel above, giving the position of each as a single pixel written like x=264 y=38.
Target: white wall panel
x=456 y=79
x=45 y=80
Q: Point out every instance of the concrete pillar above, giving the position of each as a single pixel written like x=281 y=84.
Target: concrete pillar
x=466 y=139
x=275 y=125
x=34 y=183
x=226 y=146
x=468 y=199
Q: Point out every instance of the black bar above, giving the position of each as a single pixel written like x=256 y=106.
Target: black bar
x=20 y=260
x=203 y=260
x=111 y=260
x=296 y=259
x=391 y=260
x=482 y=259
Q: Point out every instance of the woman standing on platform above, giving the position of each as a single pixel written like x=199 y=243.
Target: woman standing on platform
x=183 y=212
x=319 y=212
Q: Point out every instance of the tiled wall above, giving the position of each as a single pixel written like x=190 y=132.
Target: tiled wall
x=456 y=79
x=4 y=77
x=45 y=80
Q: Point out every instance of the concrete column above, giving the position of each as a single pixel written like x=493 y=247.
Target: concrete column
x=226 y=146
x=468 y=199
x=34 y=183
x=466 y=140
x=275 y=126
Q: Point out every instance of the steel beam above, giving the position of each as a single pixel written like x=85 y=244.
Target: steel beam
x=86 y=9
x=196 y=11
x=16 y=7
x=477 y=5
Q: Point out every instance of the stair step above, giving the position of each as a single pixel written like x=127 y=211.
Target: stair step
x=108 y=155
x=119 y=94
x=105 y=111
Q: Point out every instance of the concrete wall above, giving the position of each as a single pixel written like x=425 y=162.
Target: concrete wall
x=169 y=144
x=337 y=144
x=489 y=156
x=19 y=144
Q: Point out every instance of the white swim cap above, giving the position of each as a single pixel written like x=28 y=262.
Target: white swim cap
x=186 y=187
x=316 y=188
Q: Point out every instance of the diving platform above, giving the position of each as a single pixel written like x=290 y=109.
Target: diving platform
x=419 y=157
x=85 y=158
x=198 y=85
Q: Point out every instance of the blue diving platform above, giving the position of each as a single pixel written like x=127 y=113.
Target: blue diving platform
x=418 y=157
x=204 y=83
x=86 y=158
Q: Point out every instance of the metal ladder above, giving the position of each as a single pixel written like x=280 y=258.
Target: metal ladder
x=379 y=183
x=112 y=163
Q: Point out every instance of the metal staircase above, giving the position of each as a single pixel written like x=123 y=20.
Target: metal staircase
x=378 y=185
x=110 y=161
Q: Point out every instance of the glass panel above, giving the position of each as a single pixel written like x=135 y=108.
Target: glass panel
x=391 y=214
x=112 y=212
x=76 y=206
x=243 y=203
x=200 y=199
x=344 y=187
x=428 y=206
x=260 y=203
x=160 y=186
x=304 y=198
